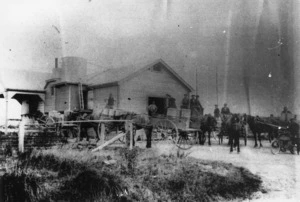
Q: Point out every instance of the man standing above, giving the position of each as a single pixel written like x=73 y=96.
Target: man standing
x=110 y=102
x=152 y=108
x=225 y=110
x=286 y=115
x=194 y=112
x=294 y=130
x=193 y=102
x=185 y=102
x=198 y=106
x=216 y=112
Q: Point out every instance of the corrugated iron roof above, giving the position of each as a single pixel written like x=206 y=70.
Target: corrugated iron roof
x=111 y=75
x=115 y=75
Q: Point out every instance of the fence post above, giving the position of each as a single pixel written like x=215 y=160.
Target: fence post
x=102 y=136
x=131 y=135
x=21 y=136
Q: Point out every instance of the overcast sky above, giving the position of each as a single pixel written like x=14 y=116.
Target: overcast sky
x=245 y=41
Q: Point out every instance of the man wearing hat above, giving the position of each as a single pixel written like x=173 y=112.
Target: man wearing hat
x=193 y=102
x=194 y=112
x=198 y=106
x=225 y=110
x=286 y=115
x=185 y=102
x=216 y=112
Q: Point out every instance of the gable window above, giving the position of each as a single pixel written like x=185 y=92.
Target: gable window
x=157 y=67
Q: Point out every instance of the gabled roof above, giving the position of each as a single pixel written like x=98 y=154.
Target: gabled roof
x=115 y=76
x=22 y=80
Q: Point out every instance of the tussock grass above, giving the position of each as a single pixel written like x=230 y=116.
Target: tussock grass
x=60 y=175
x=136 y=175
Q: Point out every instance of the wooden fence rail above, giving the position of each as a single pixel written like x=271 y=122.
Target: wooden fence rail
x=29 y=128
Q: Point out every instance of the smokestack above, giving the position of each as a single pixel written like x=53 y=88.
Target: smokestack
x=56 y=62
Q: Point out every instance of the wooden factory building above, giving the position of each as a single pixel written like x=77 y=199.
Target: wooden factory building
x=130 y=88
x=134 y=88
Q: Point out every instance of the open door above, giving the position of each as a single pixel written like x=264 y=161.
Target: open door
x=160 y=102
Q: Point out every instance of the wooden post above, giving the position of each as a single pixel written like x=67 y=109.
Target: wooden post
x=102 y=136
x=21 y=136
x=131 y=136
x=6 y=112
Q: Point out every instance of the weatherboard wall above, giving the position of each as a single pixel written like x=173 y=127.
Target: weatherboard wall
x=49 y=99
x=98 y=99
x=134 y=92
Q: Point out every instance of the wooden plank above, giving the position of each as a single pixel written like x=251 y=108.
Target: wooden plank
x=102 y=136
x=109 y=142
x=94 y=121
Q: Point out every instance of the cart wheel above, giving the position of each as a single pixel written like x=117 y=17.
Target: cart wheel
x=184 y=141
x=165 y=130
x=293 y=149
x=275 y=146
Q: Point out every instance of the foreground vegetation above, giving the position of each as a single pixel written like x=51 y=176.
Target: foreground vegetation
x=119 y=174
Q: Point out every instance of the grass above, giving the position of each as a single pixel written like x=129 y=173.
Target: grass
x=136 y=175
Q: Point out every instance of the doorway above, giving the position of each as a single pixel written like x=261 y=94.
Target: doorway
x=160 y=103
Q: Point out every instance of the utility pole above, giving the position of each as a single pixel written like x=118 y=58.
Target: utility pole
x=196 y=80
x=217 y=85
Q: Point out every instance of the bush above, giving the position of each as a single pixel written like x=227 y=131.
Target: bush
x=23 y=187
x=191 y=183
x=130 y=158
x=56 y=175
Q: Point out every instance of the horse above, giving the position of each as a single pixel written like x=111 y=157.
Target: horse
x=224 y=128
x=208 y=124
x=234 y=126
x=142 y=121
x=84 y=126
x=257 y=127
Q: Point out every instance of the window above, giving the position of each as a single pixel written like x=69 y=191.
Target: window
x=157 y=67
x=52 y=90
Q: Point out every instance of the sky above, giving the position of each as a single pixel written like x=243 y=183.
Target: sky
x=233 y=51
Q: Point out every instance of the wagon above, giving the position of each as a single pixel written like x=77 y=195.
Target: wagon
x=177 y=126
x=283 y=142
x=57 y=123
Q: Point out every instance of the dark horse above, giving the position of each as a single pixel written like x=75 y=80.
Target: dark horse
x=257 y=127
x=234 y=126
x=143 y=122
x=109 y=126
x=224 y=128
x=208 y=124
x=83 y=125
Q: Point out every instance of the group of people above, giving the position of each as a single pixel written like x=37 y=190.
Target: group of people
x=224 y=111
x=286 y=116
x=193 y=104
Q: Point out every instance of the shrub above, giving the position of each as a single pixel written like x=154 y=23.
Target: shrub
x=91 y=185
x=130 y=158
x=23 y=187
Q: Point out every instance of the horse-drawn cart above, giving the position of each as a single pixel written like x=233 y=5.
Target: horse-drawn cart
x=177 y=126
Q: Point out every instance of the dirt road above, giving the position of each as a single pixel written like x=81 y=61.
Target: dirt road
x=280 y=173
